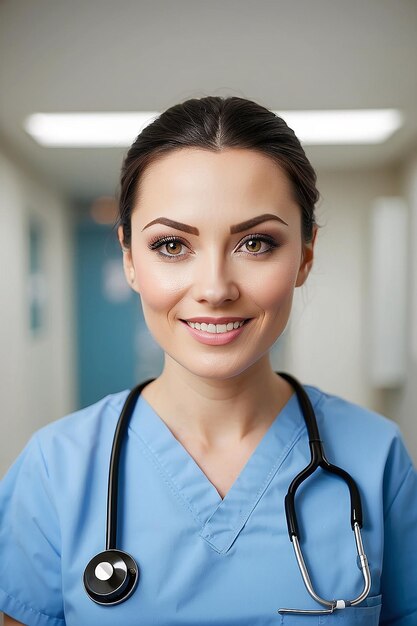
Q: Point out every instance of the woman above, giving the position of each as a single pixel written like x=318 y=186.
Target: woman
x=217 y=229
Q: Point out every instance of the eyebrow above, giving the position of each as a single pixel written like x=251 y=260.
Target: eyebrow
x=236 y=228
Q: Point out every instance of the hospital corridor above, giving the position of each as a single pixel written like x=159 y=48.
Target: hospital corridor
x=79 y=83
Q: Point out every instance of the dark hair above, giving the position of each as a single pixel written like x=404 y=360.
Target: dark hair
x=215 y=123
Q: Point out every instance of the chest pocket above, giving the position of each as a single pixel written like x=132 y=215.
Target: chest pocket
x=365 y=615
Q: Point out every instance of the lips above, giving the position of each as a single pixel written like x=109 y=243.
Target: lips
x=216 y=334
x=216 y=320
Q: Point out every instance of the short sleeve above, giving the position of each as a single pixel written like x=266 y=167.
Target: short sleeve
x=399 y=573
x=30 y=564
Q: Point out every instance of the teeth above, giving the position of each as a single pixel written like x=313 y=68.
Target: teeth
x=216 y=328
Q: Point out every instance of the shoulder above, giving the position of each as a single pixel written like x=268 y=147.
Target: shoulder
x=358 y=435
x=72 y=437
x=365 y=443
x=85 y=426
x=61 y=459
x=338 y=413
x=74 y=441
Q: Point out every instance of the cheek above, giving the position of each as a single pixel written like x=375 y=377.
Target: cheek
x=274 y=286
x=159 y=288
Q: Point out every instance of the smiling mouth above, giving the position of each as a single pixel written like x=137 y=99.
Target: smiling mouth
x=216 y=329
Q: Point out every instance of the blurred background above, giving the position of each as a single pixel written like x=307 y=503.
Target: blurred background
x=71 y=330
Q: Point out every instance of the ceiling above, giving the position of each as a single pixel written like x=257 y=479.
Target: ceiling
x=128 y=55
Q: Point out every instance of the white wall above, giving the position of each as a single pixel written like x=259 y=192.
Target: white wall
x=405 y=402
x=36 y=372
x=328 y=336
x=329 y=323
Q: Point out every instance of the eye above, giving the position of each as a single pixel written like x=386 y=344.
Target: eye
x=171 y=244
x=258 y=244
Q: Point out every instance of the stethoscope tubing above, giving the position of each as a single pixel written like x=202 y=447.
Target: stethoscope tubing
x=113 y=482
x=123 y=570
x=318 y=459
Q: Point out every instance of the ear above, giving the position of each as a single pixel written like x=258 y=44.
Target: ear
x=306 y=260
x=128 y=266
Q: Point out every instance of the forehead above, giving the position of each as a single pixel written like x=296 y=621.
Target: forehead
x=229 y=180
x=193 y=167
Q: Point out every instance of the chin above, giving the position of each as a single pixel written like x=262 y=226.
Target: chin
x=213 y=367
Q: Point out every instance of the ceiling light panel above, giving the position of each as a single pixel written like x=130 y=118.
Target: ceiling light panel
x=87 y=130
x=90 y=130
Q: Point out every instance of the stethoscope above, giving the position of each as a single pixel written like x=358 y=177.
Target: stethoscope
x=112 y=576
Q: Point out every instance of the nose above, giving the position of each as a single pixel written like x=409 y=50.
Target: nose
x=213 y=281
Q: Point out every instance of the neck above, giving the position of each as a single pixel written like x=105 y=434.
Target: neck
x=216 y=412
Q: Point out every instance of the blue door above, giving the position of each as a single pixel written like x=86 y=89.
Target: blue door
x=115 y=349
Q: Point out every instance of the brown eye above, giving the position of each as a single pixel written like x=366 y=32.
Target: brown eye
x=257 y=245
x=173 y=247
x=169 y=247
x=253 y=245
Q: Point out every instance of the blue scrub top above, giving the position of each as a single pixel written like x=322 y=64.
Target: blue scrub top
x=204 y=560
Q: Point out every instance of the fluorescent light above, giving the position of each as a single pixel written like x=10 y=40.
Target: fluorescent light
x=368 y=126
x=87 y=130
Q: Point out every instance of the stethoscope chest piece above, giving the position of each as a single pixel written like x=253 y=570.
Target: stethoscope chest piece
x=110 y=577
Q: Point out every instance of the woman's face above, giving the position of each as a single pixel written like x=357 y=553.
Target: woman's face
x=194 y=254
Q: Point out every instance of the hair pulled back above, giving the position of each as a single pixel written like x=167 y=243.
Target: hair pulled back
x=216 y=123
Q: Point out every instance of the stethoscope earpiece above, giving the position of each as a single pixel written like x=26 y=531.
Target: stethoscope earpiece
x=110 y=577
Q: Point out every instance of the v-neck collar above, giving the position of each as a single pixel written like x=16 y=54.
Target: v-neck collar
x=220 y=520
